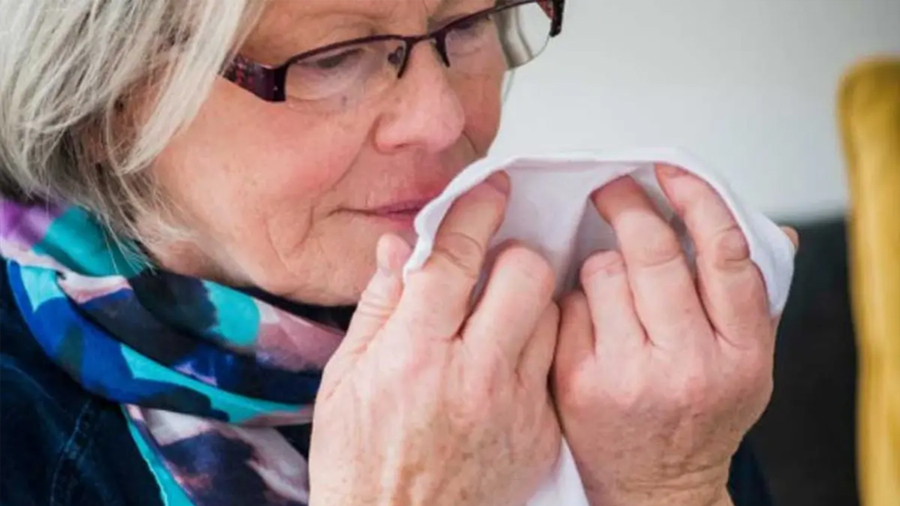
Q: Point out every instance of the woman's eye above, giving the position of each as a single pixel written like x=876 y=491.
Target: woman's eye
x=330 y=73
x=471 y=26
x=467 y=36
x=334 y=61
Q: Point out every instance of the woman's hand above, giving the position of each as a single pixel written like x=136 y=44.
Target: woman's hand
x=431 y=402
x=658 y=377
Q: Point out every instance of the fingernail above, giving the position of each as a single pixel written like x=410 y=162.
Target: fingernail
x=500 y=181
x=670 y=170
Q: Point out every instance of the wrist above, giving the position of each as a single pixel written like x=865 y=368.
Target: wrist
x=686 y=491
x=662 y=497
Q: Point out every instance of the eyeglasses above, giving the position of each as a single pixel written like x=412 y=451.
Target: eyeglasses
x=502 y=38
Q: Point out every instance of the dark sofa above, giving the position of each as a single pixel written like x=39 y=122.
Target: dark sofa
x=805 y=440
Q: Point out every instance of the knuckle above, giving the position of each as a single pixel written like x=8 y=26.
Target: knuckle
x=577 y=391
x=605 y=263
x=627 y=396
x=691 y=391
x=729 y=246
x=461 y=252
x=529 y=264
x=659 y=249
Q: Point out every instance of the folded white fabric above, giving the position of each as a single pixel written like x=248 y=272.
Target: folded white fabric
x=550 y=210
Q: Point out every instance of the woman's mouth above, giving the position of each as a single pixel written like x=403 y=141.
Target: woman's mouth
x=400 y=214
x=411 y=206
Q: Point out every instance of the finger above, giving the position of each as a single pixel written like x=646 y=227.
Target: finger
x=380 y=298
x=576 y=336
x=793 y=236
x=731 y=286
x=617 y=329
x=665 y=295
x=438 y=296
x=537 y=357
x=518 y=290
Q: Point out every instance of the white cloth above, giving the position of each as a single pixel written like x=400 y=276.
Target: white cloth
x=550 y=210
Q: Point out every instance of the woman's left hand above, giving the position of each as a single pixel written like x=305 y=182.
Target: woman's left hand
x=658 y=377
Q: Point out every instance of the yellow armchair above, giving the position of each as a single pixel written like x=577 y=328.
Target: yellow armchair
x=869 y=110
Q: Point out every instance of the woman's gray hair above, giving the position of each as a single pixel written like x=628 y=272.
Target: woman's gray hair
x=70 y=71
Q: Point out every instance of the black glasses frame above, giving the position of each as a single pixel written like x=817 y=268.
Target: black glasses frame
x=268 y=83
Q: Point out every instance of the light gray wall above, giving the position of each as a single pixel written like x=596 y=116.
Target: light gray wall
x=748 y=85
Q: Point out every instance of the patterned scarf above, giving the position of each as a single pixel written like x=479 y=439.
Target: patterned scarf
x=211 y=379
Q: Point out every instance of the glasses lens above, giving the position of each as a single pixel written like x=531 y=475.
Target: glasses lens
x=524 y=31
x=342 y=76
x=502 y=40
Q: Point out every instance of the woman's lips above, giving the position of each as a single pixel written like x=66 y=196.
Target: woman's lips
x=409 y=206
x=402 y=213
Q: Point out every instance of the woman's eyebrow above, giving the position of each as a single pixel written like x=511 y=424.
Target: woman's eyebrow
x=283 y=20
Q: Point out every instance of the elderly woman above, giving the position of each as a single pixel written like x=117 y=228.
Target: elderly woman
x=206 y=207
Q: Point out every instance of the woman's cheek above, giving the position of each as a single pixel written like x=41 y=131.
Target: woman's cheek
x=482 y=105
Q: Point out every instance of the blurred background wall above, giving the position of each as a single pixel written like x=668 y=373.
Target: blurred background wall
x=750 y=86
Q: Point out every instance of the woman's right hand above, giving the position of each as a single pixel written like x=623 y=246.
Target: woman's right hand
x=430 y=401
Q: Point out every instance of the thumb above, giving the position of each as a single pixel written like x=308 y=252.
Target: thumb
x=381 y=296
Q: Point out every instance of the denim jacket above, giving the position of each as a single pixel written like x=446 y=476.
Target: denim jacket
x=62 y=446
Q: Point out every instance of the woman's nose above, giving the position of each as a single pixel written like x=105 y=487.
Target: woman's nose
x=422 y=110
